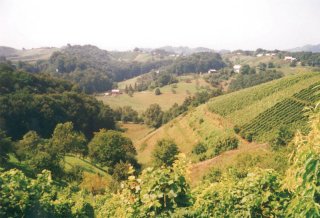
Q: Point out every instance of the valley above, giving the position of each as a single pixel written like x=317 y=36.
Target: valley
x=104 y=123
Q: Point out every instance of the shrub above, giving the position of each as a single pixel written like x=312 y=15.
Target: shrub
x=236 y=129
x=225 y=145
x=157 y=91
x=199 y=148
x=165 y=152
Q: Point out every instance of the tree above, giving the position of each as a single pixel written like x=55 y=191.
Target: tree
x=271 y=65
x=109 y=148
x=153 y=116
x=66 y=140
x=245 y=69
x=39 y=154
x=5 y=147
x=283 y=137
x=157 y=91
x=165 y=152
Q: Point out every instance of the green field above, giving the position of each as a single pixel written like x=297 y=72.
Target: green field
x=141 y=100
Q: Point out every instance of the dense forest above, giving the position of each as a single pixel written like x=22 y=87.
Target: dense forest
x=39 y=103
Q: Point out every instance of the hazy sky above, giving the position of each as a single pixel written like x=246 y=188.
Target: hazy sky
x=125 y=24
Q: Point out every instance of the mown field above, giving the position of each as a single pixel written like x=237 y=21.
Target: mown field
x=141 y=100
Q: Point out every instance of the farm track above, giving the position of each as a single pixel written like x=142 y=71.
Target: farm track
x=198 y=170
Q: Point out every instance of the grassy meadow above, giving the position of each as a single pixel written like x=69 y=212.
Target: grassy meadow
x=141 y=100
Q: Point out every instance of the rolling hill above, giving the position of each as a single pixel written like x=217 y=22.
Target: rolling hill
x=215 y=120
x=174 y=93
x=308 y=48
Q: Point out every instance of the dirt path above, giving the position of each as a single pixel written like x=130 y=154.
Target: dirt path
x=198 y=170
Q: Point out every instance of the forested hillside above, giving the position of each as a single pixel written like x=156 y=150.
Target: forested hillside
x=39 y=103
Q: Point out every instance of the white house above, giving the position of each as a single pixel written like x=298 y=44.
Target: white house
x=237 y=68
x=259 y=55
x=212 y=71
x=289 y=58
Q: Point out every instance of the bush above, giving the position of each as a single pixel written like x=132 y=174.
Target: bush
x=199 y=148
x=236 y=129
x=283 y=137
x=157 y=91
x=165 y=152
x=225 y=145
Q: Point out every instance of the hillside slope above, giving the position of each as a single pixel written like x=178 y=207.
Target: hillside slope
x=215 y=120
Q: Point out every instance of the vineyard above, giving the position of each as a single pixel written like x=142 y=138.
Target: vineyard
x=241 y=110
x=287 y=113
x=227 y=104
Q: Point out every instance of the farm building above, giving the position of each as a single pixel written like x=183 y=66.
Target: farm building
x=289 y=58
x=113 y=92
x=212 y=71
x=237 y=68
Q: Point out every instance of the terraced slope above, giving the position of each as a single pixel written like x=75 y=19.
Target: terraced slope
x=198 y=125
x=287 y=113
x=215 y=120
x=243 y=106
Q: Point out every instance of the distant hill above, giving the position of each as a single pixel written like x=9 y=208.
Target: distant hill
x=310 y=48
x=7 y=51
x=184 y=50
x=27 y=55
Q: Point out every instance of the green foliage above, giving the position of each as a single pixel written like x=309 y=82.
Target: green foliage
x=127 y=114
x=109 y=148
x=236 y=129
x=95 y=70
x=247 y=80
x=215 y=175
x=165 y=152
x=225 y=144
x=5 y=147
x=153 y=116
x=216 y=78
x=259 y=194
x=156 y=193
x=24 y=197
x=303 y=176
x=199 y=148
x=21 y=113
x=14 y=81
x=66 y=140
x=191 y=101
x=199 y=62
x=157 y=91
x=282 y=138
x=39 y=154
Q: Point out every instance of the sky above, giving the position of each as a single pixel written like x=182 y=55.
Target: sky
x=126 y=24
